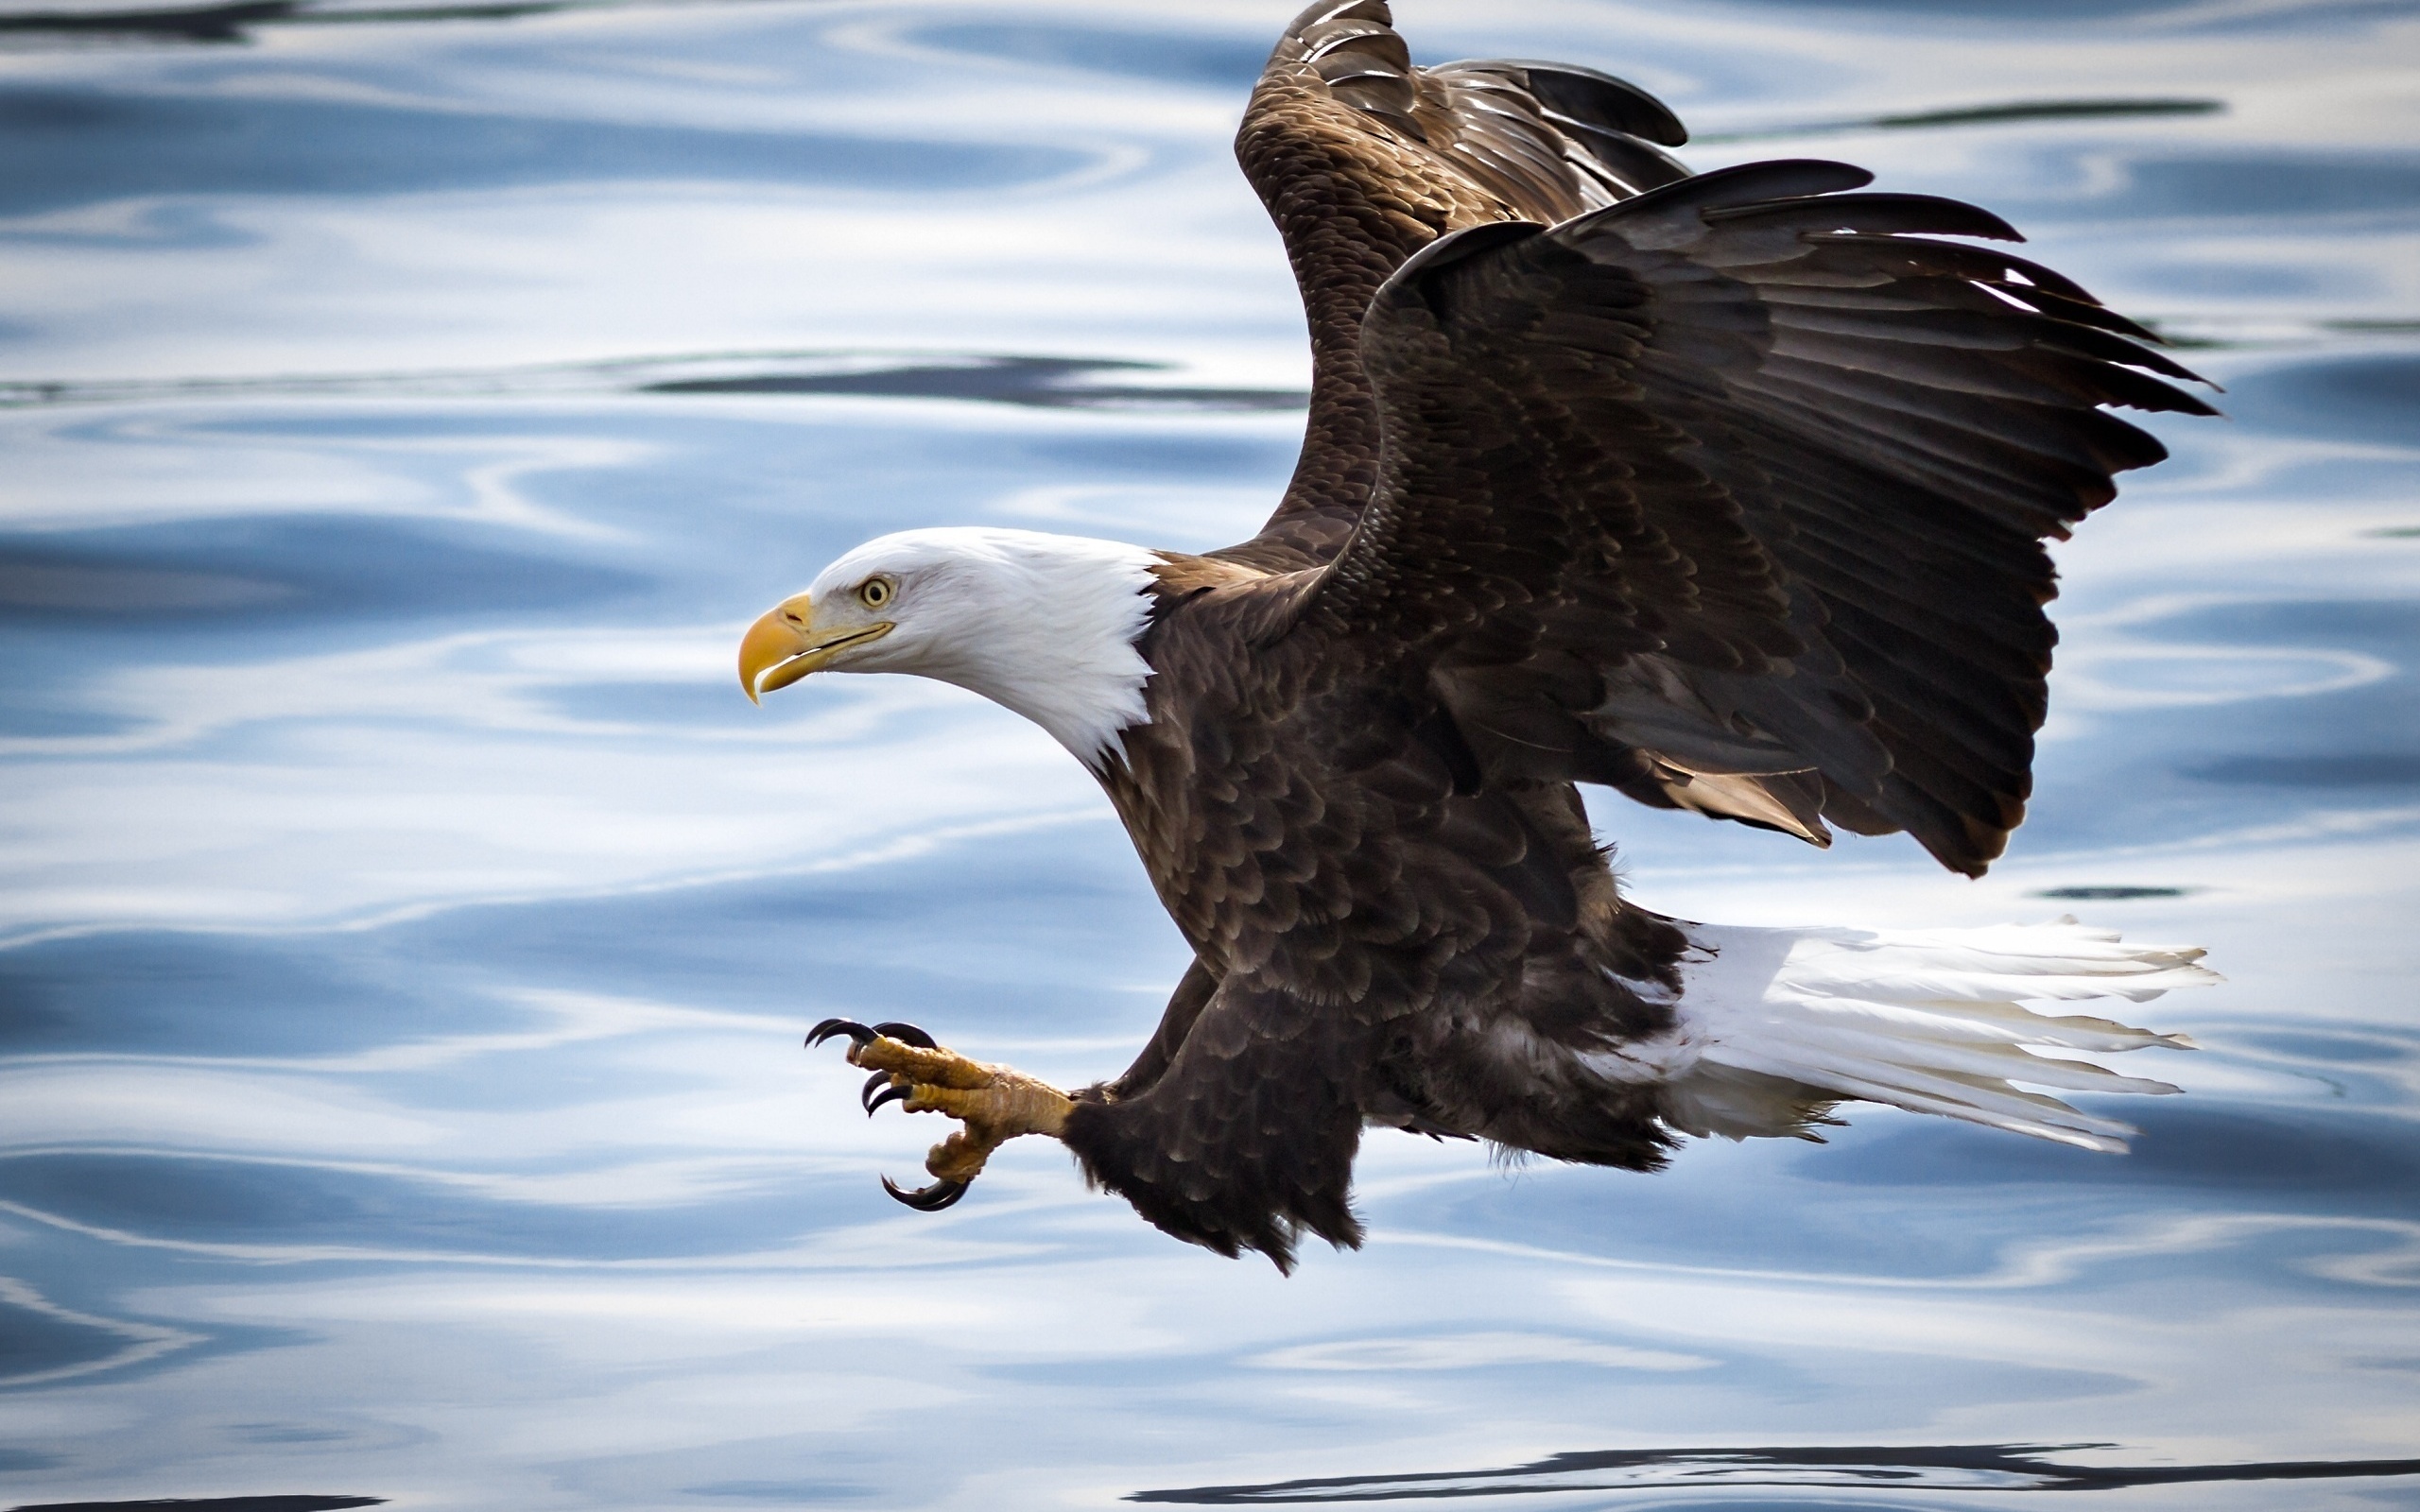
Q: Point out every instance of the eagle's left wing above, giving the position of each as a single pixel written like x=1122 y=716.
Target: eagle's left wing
x=1363 y=159
x=1732 y=496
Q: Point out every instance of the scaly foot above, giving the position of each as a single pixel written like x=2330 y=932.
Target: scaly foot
x=994 y=1102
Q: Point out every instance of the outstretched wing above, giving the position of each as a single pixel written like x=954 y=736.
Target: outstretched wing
x=1363 y=160
x=1731 y=495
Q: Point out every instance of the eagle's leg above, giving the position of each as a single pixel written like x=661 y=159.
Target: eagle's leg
x=993 y=1102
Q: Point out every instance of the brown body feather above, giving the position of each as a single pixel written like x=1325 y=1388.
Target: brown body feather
x=1725 y=491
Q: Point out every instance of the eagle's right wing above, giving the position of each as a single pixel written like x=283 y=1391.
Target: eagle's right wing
x=1363 y=160
x=1732 y=496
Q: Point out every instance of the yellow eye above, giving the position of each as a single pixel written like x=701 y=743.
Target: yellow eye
x=874 y=592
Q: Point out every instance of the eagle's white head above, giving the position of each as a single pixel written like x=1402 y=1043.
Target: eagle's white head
x=1043 y=625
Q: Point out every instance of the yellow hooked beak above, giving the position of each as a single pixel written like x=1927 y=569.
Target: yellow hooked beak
x=784 y=647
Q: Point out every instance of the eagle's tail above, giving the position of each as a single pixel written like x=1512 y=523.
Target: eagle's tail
x=1777 y=1025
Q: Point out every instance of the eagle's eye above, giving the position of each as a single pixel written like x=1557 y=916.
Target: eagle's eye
x=875 y=592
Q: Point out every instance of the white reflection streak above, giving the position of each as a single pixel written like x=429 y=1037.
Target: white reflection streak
x=192 y=1102
x=2324 y=825
x=499 y=500
x=491 y=680
x=879 y=852
x=2079 y=684
x=1469 y=1352
x=164 y=462
x=581 y=1017
x=305 y=1254
x=2083 y=684
x=2028 y=1266
x=1165 y=514
x=873 y=1248
x=644 y=1184
x=144 y=1341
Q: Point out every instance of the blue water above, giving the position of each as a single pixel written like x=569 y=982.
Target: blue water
x=409 y=928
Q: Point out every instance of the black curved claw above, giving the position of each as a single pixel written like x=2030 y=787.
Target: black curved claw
x=855 y=1031
x=873 y=1083
x=927 y=1199
x=891 y=1094
x=907 y=1034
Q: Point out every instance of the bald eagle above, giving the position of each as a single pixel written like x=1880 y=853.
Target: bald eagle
x=1724 y=490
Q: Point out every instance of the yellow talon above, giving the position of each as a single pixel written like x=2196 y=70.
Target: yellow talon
x=994 y=1102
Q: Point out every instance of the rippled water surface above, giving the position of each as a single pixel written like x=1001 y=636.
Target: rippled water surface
x=409 y=928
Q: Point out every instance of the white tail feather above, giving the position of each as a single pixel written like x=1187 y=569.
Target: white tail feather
x=1775 y=1024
